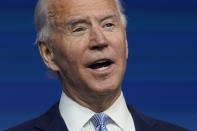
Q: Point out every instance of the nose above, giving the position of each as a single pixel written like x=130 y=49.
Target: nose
x=97 y=39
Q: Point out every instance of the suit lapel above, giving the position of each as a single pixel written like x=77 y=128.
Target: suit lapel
x=141 y=122
x=57 y=125
x=51 y=121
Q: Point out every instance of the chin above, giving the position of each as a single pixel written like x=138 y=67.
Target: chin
x=106 y=87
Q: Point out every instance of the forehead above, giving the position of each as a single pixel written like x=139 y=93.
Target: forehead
x=64 y=9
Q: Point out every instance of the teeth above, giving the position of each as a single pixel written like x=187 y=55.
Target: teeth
x=102 y=61
x=100 y=65
x=102 y=68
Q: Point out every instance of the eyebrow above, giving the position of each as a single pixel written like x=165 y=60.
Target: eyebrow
x=76 y=21
x=110 y=16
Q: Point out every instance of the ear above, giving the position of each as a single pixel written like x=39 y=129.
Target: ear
x=47 y=56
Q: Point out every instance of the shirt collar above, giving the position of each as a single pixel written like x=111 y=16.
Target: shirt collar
x=71 y=111
x=120 y=114
x=74 y=115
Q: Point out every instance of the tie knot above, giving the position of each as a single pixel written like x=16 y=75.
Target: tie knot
x=100 y=120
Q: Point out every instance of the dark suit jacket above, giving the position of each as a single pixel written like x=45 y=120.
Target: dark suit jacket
x=52 y=121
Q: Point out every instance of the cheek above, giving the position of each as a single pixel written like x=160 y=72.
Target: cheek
x=118 y=44
x=69 y=48
x=76 y=49
x=62 y=52
x=72 y=51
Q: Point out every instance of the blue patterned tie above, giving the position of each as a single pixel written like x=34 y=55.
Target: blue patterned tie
x=100 y=120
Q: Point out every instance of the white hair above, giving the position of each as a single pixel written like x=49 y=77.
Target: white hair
x=121 y=12
x=42 y=22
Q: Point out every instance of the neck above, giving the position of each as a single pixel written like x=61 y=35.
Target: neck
x=97 y=102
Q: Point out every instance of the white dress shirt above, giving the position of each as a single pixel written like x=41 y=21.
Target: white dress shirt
x=77 y=117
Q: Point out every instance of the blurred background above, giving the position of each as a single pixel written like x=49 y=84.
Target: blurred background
x=161 y=77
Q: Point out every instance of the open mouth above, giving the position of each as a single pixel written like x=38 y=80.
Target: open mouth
x=101 y=64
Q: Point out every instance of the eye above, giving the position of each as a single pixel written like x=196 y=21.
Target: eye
x=78 y=29
x=108 y=25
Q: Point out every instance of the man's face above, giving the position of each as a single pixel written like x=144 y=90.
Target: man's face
x=89 y=45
